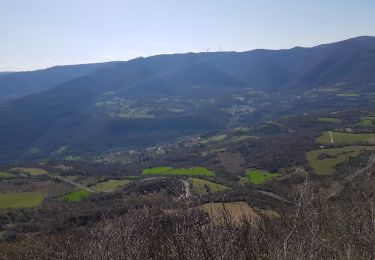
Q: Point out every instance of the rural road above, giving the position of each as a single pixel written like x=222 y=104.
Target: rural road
x=274 y=196
x=339 y=188
x=331 y=135
x=74 y=183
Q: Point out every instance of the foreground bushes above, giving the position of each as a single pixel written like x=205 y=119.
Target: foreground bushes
x=312 y=229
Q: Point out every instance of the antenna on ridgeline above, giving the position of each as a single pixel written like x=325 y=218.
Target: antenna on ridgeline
x=208 y=50
x=220 y=48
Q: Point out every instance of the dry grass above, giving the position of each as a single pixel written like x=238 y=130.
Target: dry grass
x=235 y=211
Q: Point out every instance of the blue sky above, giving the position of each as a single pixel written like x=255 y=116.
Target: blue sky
x=42 y=33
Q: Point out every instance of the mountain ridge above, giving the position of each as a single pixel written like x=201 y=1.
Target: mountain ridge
x=162 y=97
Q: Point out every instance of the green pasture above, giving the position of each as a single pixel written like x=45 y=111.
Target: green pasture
x=323 y=161
x=346 y=138
x=20 y=199
x=203 y=187
x=29 y=170
x=76 y=196
x=257 y=176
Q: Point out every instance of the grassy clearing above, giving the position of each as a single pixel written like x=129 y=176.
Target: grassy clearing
x=257 y=176
x=76 y=196
x=241 y=129
x=20 y=199
x=346 y=138
x=193 y=171
x=71 y=177
x=214 y=139
x=203 y=187
x=324 y=161
x=243 y=138
x=329 y=120
x=236 y=211
x=6 y=175
x=219 y=150
x=109 y=185
x=366 y=121
x=348 y=95
x=31 y=171
x=72 y=158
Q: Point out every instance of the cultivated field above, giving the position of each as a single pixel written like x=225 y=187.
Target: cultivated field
x=323 y=161
x=346 y=138
x=7 y=175
x=109 y=185
x=203 y=187
x=366 y=121
x=257 y=176
x=31 y=171
x=20 y=199
x=76 y=196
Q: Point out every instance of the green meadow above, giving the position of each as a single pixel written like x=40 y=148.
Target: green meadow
x=6 y=175
x=20 y=199
x=323 y=161
x=213 y=139
x=366 y=121
x=202 y=187
x=257 y=176
x=28 y=170
x=348 y=95
x=346 y=138
x=76 y=196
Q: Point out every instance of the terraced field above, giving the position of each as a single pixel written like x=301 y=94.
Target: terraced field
x=20 y=199
x=193 y=171
x=109 y=185
x=257 y=176
x=203 y=187
x=323 y=161
x=30 y=171
x=346 y=138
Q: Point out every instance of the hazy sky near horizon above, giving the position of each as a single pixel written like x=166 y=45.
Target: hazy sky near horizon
x=43 y=33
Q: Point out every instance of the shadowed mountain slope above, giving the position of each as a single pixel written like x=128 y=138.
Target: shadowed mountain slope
x=150 y=100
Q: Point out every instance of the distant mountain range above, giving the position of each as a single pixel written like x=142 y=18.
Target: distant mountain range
x=18 y=84
x=88 y=109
